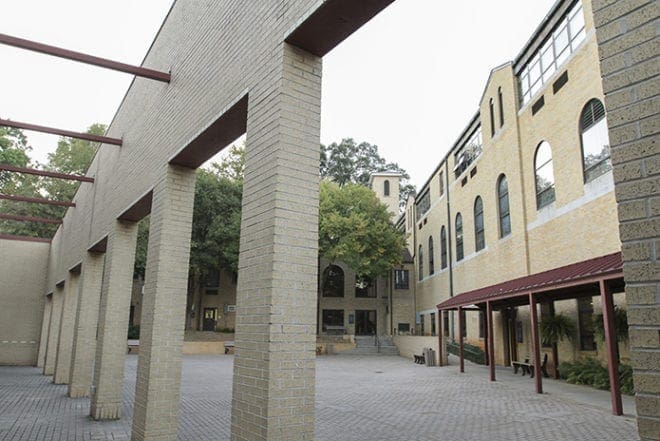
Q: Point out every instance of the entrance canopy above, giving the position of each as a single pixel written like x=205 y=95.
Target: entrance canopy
x=570 y=281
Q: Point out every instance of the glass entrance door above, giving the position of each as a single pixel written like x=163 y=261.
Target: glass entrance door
x=365 y=322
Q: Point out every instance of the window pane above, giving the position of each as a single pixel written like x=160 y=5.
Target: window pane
x=596 y=150
x=577 y=23
x=543 y=154
x=561 y=40
x=547 y=56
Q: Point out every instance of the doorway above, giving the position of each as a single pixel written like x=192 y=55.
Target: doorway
x=365 y=322
x=210 y=319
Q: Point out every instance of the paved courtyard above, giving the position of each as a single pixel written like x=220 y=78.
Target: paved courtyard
x=358 y=398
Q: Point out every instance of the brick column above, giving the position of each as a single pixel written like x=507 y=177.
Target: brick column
x=45 y=324
x=84 y=335
x=54 y=330
x=163 y=316
x=67 y=324
x=628 y=45
x=113 y=322
x=274 y=369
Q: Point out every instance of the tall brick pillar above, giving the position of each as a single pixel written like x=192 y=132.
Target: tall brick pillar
x=113 y=322
x=163 y=316
x=45 y=324
x=54 y=330
x=274 y=369
x=84 y=335
x=67 y=324
x=627 y=32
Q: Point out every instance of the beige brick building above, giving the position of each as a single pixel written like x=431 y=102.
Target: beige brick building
x=526 y=188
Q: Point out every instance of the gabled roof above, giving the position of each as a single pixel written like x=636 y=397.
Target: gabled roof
x=587 y=271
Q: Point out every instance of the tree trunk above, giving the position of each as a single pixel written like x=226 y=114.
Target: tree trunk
x=555 y=361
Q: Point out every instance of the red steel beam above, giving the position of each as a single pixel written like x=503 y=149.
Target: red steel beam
x=491 y=341
x=54 y=131
x=461 y=350
x=48 y=174
x=611 y=344
x=24 y=238
x=84 y=58
x=536 y=346
x=41 y=220
x=10 y=197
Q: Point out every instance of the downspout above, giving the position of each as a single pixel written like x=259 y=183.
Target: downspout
x=449 y=248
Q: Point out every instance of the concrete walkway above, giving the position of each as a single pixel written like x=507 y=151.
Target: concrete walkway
x=381 y=398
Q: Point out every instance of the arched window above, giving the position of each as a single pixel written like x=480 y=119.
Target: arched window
x=333 y=282
x=420 y=263
x=479 y=234
x=431 y=266
x=503 y=206
x=443 y=247
x=595 y=141
x=459 y=237
x=500 y=105
x=386 y=187
x=492 y=117
x=545 y=177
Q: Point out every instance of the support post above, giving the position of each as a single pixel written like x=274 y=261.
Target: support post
x=84 y=335
x=65 y=344
x=113 y=322
x=611 y=345
x=533 y=314
x=461 y=353
x=441 y=336
x=54 y=330
x=491 y=344
x=45 y=324
x=163 y=318
x=274 y=367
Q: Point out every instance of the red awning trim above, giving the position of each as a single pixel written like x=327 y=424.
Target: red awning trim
x=585 y=272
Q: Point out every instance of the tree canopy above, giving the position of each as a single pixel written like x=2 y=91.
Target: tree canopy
x=350 y=162
x=356 y=228
x=72 y=156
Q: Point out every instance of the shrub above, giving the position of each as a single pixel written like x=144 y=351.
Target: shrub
x=591 y=373
x=472 y=353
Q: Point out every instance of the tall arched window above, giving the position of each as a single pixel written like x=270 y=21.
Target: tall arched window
x=443 y=247
x=595 y=140
x=333 y=282
x=386 y=187
x=545 y=177
x=479 y=234
x=503 y=206
x=431 y=266
x=459 y=237
x=500 y=105
x=492 y=117
x=420 y=263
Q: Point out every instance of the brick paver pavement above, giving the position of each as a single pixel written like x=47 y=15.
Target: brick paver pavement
x=358 y=398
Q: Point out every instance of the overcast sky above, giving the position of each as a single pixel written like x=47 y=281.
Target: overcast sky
x=409 y=81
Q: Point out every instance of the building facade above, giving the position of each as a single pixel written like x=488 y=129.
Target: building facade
x=527 y=187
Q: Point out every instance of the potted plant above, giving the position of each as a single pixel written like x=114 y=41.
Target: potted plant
x=553 y=330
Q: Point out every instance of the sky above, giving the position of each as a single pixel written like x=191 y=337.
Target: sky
x=409 y=80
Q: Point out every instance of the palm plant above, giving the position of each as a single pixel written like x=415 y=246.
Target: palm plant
x=553 y=330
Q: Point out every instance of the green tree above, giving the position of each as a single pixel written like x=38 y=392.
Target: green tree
x=14 y=150
x=355 y=227
x=349 y=162
x=72 y=156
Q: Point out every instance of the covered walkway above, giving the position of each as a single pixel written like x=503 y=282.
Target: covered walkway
x=598 y=276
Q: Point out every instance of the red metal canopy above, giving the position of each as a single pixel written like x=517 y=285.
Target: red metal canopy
x=587 y=271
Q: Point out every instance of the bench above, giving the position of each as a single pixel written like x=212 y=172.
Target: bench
x=528 y=367
x=229 y=345
x=419 y=359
